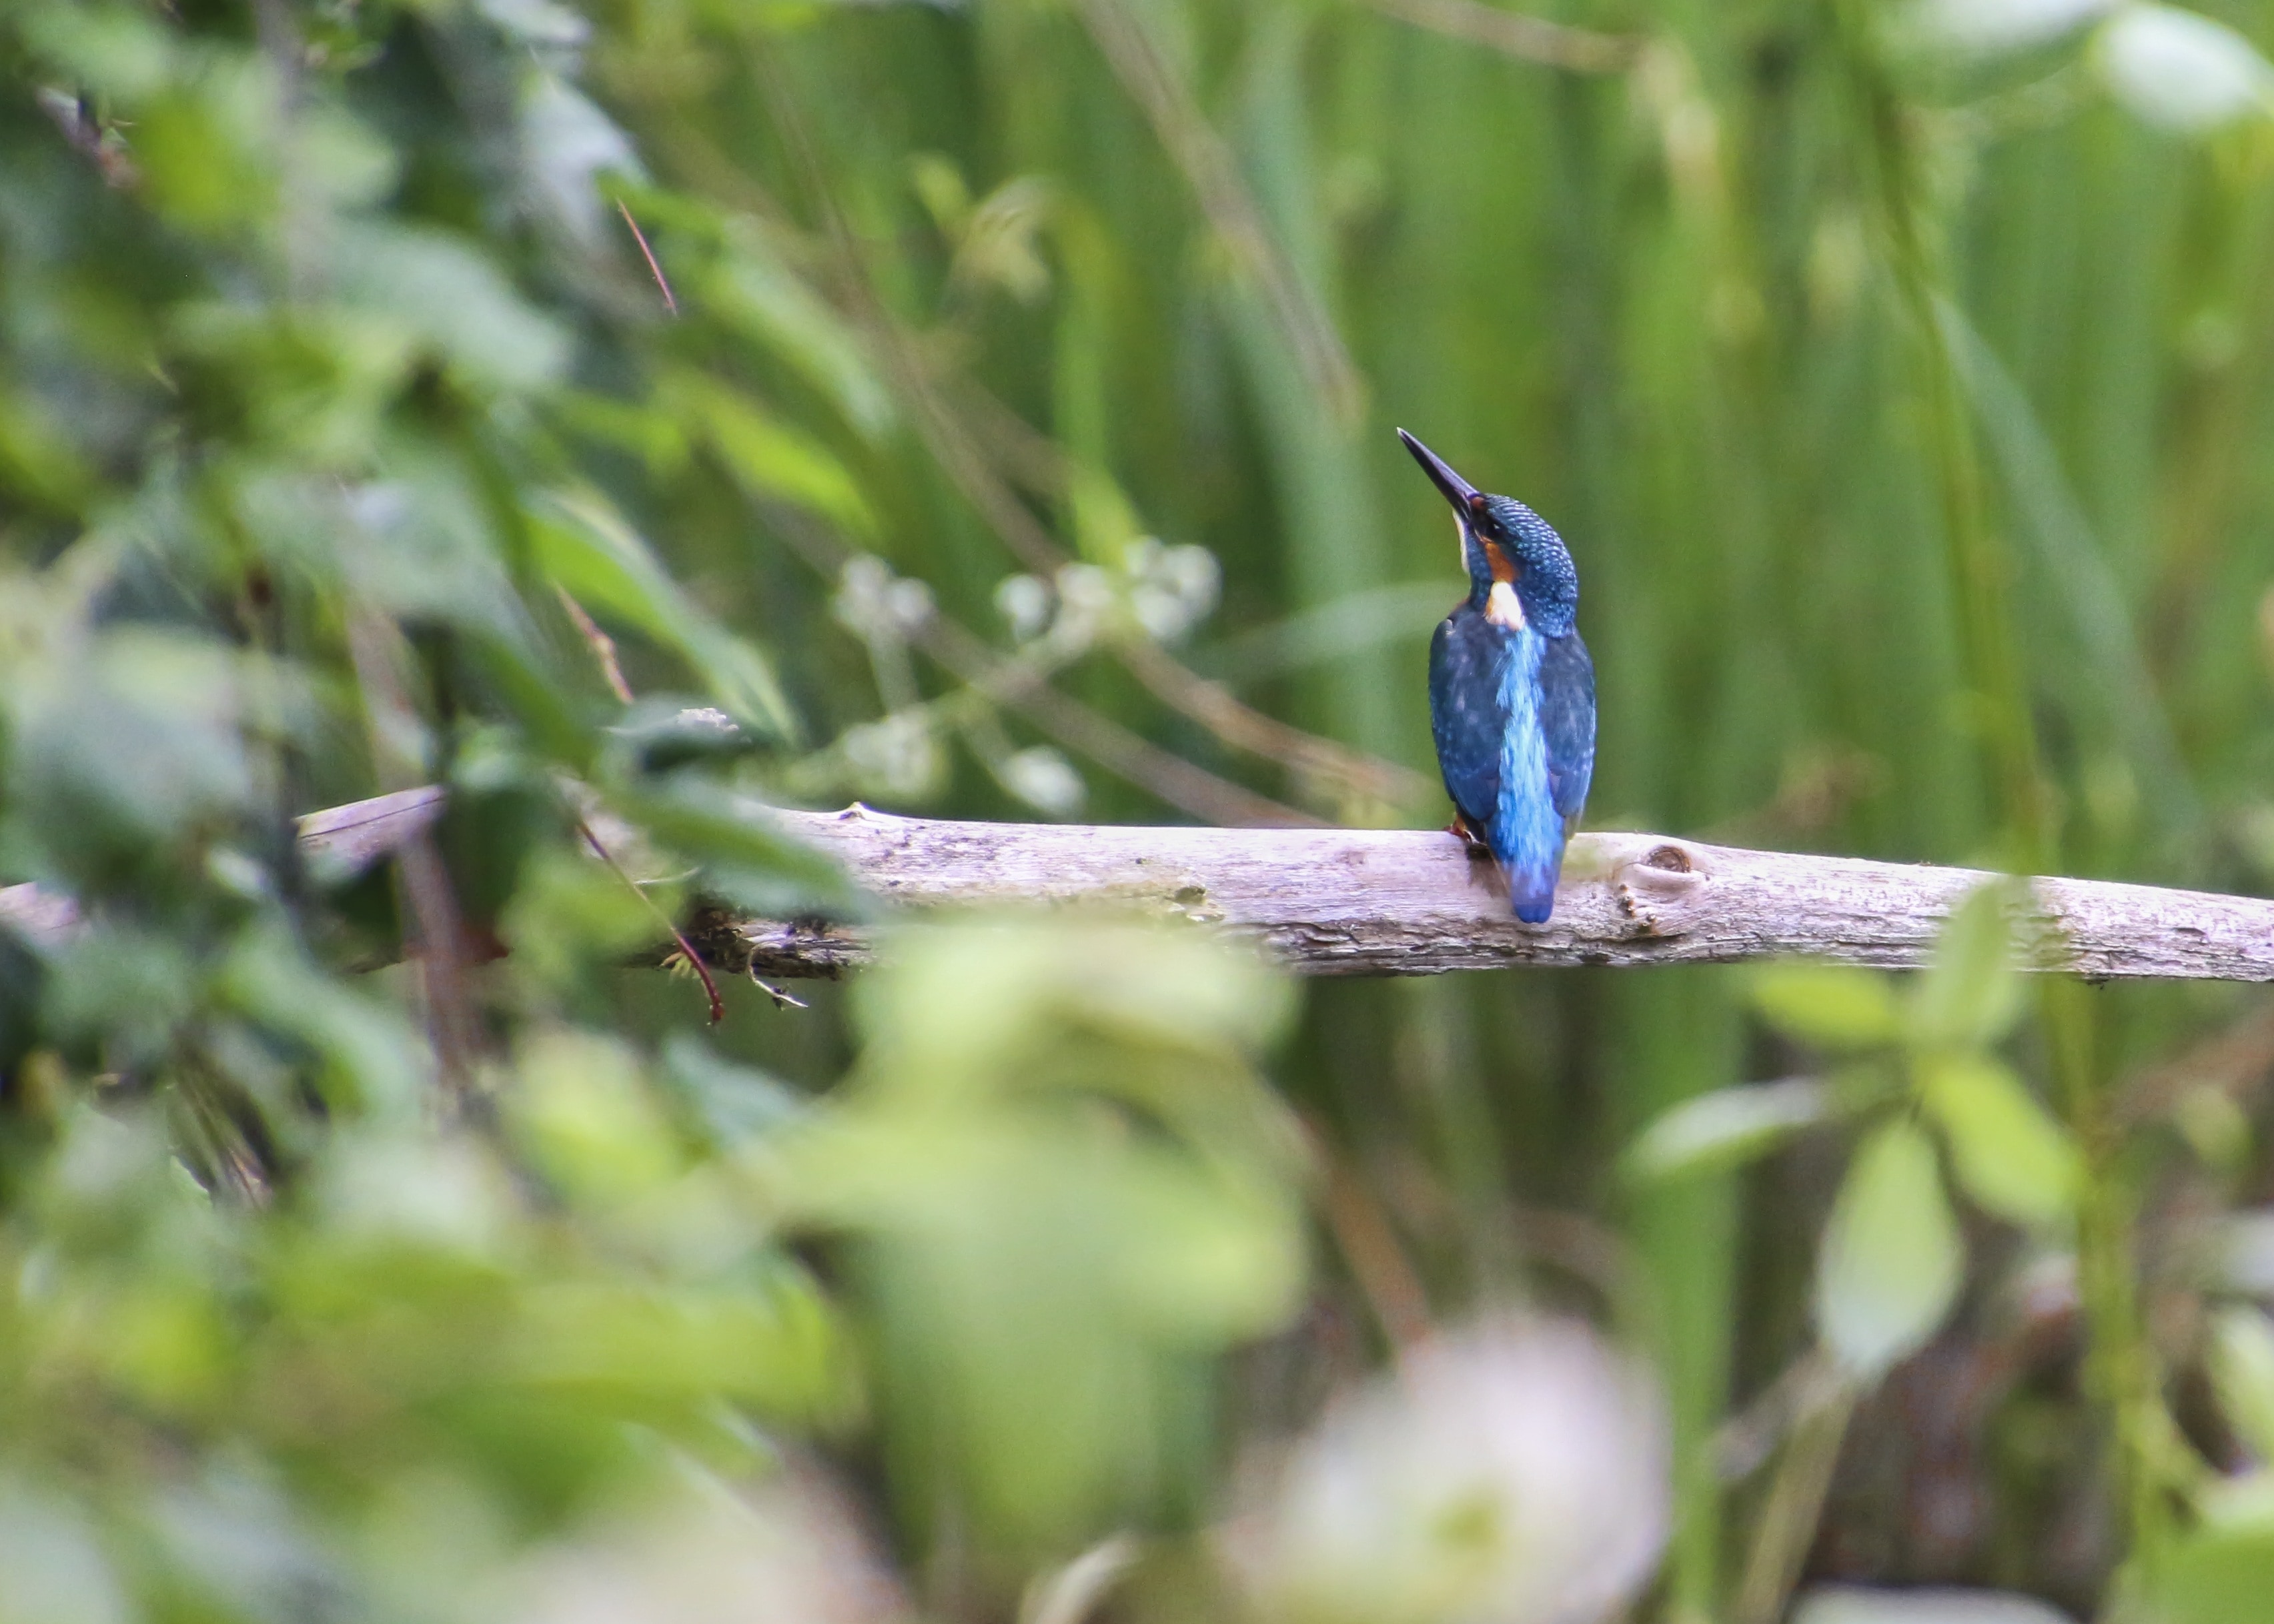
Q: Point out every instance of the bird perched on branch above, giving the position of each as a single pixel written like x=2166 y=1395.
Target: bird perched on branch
x=1511 y=690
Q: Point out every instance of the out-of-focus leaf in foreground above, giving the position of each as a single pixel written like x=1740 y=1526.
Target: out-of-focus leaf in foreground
x=1727 y=1127
x=1890 y=1260
x=2010 y=1154
x=1971 y=993
x=1827 y=1006
x=1067 y=1191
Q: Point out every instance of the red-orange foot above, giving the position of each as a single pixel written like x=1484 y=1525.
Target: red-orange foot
x=1461 y=830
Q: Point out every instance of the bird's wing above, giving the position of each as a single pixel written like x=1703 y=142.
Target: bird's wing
x=1567 y=716
x=1466 y=660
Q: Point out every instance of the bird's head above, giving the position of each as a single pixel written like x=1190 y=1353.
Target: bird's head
x=1504 y=544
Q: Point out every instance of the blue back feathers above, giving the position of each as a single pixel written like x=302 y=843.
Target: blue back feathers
x=1513 y=708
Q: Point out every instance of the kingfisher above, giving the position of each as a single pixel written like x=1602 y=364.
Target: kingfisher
x=1511 y=690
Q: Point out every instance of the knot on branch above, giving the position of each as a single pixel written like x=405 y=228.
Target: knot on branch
x=1658 y=889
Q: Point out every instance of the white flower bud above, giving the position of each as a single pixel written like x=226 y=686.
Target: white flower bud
x=896 y=758
x=1171 y=589
x=1087 y=601
x=1045 y=781
x=1024 y=603
x=862 y=587
x=907 y=603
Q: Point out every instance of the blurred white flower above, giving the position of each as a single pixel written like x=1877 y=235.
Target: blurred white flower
x=863 y=585
x=897 y=757
x=1989 y=27
x=57 y=1570
x=1087 y=601
x=1515 y=1473
x=907 y=603
x=1855 y=1604
x=871 y=599
x=2182 y=71
x=708 y=1555
x=2240 y=1255
x=1024 y=603
x=1171 y=590
x=1045 y=781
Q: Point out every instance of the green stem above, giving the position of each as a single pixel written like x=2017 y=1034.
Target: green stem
x=2122 y=1375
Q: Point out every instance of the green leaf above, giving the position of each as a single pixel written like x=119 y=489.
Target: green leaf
x=582 y=1113
x=1726 y=1128
x=449 y=296
x=1972 y=991
x=546 y=706
x=736 y=1104
x=2218 y=1576
x=113 y=50
x=1828 y=1006
x=2011 y=1154
x=754 y=292
x=207 y=145
x=1071 y=1191
x=584 y=547
x=372 y=1056
x=1891 y=1259
x=766 y=456
x=2243 y=1374
x=746 y=857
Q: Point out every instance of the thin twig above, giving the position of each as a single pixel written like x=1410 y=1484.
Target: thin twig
x=1070 y=1594
x=1527 y=39
x=1385 y=1277
x=1794 y=1507
x=1213 y=173
x=782 y=1000
x=1117 y=749
x=603 y=646
x=1320 y=761
x=1748 y=1440
x=377 y=649
x=686 y=951
x=647 y=254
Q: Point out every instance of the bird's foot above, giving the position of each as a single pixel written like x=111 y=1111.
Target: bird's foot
x=1460 y=829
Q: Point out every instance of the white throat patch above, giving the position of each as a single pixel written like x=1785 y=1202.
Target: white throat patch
x=1503 y=608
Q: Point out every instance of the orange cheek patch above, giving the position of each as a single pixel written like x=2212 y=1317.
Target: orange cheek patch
x=1503 y=567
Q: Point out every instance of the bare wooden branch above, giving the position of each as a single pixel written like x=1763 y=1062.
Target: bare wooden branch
x=1402 y=902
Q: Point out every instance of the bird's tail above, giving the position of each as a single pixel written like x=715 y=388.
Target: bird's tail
x=1528 y=840
x=1531 y=888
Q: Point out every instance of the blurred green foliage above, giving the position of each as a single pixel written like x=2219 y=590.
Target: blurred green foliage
x=628 y=413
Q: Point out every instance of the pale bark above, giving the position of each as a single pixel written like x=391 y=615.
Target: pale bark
x=1403 y=902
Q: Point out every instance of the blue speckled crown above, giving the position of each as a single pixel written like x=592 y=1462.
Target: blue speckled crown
x=1549 y=585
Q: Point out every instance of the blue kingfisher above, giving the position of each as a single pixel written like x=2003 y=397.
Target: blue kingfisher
x=1511 y=690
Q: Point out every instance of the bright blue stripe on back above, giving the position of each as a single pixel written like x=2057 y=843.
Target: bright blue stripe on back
x=1527 y=831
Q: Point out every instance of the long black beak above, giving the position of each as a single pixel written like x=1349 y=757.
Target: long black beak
x=1457 y=491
